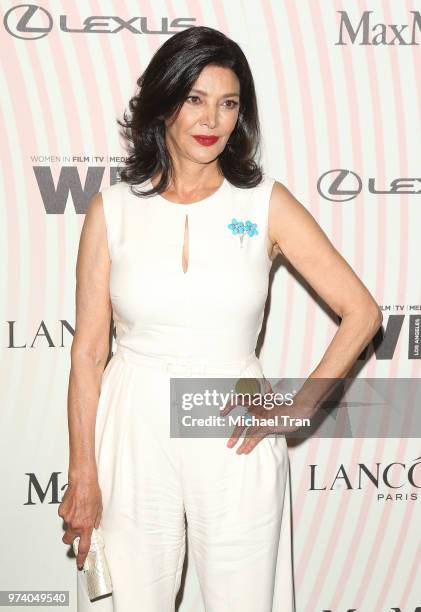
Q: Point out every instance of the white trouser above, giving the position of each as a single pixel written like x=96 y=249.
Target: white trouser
x=151 y=482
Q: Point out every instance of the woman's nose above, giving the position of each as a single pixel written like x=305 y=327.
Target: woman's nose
x=209 y=118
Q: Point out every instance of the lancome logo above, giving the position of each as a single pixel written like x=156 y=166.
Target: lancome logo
x=55 y=334
x=31 y=22
x=393 y=481
x=365 y=32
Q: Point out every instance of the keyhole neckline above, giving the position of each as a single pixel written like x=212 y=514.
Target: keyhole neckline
x=190 y=205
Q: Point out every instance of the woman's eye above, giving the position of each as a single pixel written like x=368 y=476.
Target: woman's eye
x=231 y=103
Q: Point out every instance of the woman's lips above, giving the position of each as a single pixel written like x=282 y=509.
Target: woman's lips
x=206 y=140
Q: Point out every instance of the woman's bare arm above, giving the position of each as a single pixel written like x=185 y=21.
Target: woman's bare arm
x=81 y=507
x=296 y=234
x=90 y=346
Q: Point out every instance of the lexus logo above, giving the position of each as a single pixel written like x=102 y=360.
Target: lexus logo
x=342 y=185
x=31 y=22
x=16 y=21
x=339 y=185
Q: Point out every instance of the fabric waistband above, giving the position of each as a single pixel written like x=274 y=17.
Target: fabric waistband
x=180 y=366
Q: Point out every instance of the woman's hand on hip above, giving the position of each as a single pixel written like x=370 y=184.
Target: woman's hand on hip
x=257 y=430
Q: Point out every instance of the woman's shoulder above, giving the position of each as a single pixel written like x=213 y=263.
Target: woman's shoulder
x=114 y=197
x=256 y=191
x=268 y=178
x=114 y=190
x=273 y=187
x=265 y=185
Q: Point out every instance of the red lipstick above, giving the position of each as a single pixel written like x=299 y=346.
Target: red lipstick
x=206 y=140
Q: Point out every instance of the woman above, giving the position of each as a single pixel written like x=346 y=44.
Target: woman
x=179 y=251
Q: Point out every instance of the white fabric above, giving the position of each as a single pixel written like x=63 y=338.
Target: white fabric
x=237 y=506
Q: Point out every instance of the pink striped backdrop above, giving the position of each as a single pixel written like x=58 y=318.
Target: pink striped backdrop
x=323 y=106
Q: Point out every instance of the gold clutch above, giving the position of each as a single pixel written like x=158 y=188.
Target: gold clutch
x=95 y=569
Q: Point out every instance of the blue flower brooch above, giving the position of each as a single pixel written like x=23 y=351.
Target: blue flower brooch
x=241 y=228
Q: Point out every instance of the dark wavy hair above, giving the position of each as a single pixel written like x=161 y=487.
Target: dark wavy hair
x=163 y=88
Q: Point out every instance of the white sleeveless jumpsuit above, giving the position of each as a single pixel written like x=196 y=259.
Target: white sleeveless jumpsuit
x=202 y=322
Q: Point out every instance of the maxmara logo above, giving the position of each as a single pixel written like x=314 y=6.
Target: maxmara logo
x=44 y=492
x=31 y=22
x=367 y=31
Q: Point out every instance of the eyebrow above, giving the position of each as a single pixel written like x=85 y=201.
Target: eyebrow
x=228 y=95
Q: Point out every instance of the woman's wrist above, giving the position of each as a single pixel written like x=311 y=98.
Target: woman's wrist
x=83 y=473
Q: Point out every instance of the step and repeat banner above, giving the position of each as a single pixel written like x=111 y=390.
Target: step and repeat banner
x=339 y=99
